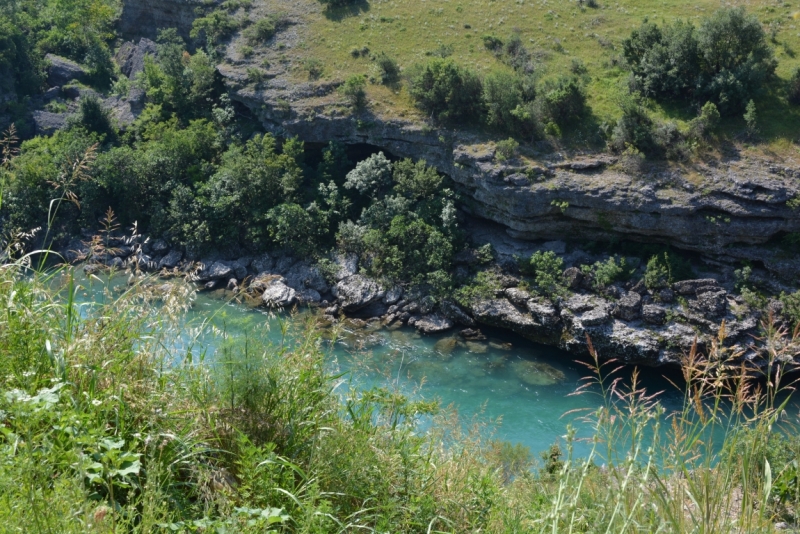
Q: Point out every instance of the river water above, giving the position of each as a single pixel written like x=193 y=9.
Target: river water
x=525 y=390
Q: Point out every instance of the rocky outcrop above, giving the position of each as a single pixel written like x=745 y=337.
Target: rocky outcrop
x=61 y=71
x=356 y=292
x=278 y=295
x=130 y=56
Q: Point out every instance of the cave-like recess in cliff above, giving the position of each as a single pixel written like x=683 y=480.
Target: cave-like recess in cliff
x=355 y=152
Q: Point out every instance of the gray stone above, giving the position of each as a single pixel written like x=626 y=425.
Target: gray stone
x=572 y=278
x=502 y=314
x=654 y=314
x=544 y=312
x=233 y=285
x=356 y=292
x=171 y=259
x=214 y=271
x=629 y=307
x=308 y=296
x=519 y=297
x=347 y=266
x=49 y=123
x=711 y=303
x=263 y=264
x=431 y=324
x=302 y=275
x=283 y=264
x=61 y=71
x=454 y=312
x=666 y=295
x=690 y=287
x=159 y=246
x=393 y=294
x=595 y=316
x=130 y=56
x=278 y=295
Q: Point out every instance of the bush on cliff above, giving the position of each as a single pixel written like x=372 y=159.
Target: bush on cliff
x=446 y=91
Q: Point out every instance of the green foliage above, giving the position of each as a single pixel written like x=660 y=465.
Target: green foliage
x=314 y=67
x=634 y=128
x=95 y=118
x=545 y=267
x=484 y=285
x=294 y=228
x=337 y=3
x=21 y=69
x=353 y=90
x=178 y=82
x=370 y=175
x=446 y=91
x=508 y=98
x=507 y=148
x=561 y=101
x=701 y=126
x=215 y=27
x=388 y=69
x=726 y=61
x=791 y=306
x=605 y=273
x=751 y=119
x=261 y=31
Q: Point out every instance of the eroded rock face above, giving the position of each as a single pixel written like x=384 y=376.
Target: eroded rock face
x=144 y=18
x=431 y=324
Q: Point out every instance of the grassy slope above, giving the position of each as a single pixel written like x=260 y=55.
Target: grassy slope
x=557 y=32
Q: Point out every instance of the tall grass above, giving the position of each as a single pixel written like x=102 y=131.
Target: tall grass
x=106 y=427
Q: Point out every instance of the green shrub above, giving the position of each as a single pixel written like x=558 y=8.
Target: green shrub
x=314 y=67
x=562 y=101
x=507 y=148
x=353 y=90
x=260 y=32
x=726 y=61
x=371 y=175
x=657 y=274
x=507 y=98
x=791 y=306
x=751 y=119
x=95 y=118
x=634 y=128
x=708 y=119
x=388 y=69
x=545 y=267
x=605 y=273
x=338 y=3
x=447 y=92
x=215 y=27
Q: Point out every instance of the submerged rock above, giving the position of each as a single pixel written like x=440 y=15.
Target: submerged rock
x=536 y=373
x=446 y=345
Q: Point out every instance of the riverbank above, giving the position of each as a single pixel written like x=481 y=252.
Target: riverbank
x=258 y=440
x=606 y=298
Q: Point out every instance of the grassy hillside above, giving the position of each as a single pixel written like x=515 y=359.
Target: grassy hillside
x=563 y=37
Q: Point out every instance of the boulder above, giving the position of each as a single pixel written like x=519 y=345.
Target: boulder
x=454 y=312
x=654 y=314
x=61 y=71
x=159 y=246
x=302 y=275
x=283 y=264
x=519 y=297
x=262 y=264
x=393 y=295
x=48 y=123
x=629 y=306
x=690 y=287
x=711 y=302
x=543 y=311
x=130 y=56
x=666 y=295
x=572 y=278
x=215 y=271
x=278 y=295
x=430 y=324
x=347 y=265
x=238 y=269
x=356 y=292
x=502 y=314
x=308 y=296
x=171 y=259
